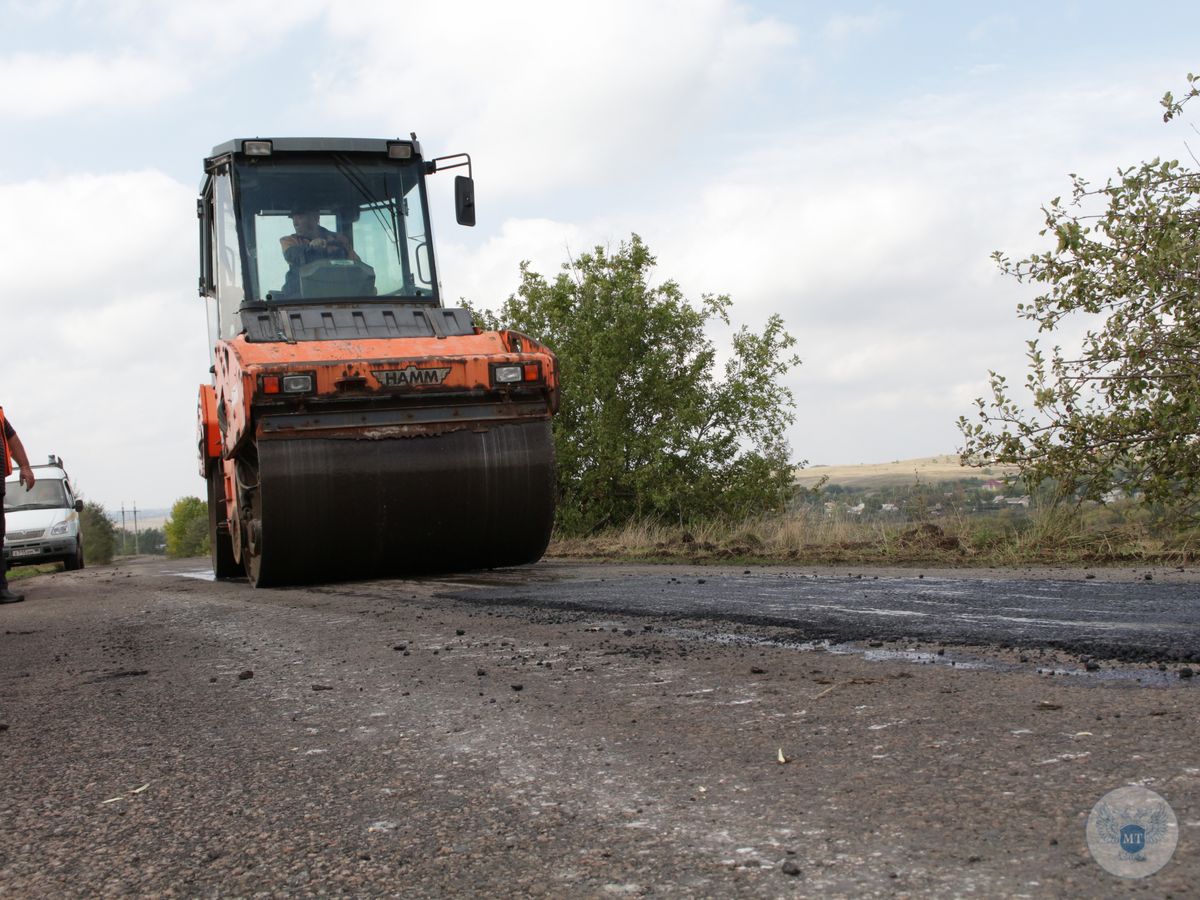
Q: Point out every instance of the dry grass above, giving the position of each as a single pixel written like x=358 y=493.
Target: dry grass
x=1056 y=535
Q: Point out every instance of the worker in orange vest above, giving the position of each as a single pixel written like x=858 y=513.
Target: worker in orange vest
x=12 y=449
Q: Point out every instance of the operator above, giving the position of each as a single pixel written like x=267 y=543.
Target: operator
x=12 y=449
x=310 y=243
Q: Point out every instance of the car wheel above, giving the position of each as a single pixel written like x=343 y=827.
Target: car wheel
x=71 y=563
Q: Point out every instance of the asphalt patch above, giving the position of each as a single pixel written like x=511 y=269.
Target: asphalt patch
x=1130 y=622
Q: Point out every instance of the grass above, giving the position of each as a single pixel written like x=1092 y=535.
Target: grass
x=1056 y=535
x=29 y=571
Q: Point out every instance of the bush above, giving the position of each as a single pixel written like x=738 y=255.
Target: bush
x=652 y=427
x=147 y=541
x=99 y=535
x=1119 y=409
x=187 y=529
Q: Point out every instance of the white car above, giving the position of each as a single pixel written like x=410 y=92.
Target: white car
x=42 y=525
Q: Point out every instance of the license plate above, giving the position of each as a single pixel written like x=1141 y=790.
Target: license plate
x=26 y=551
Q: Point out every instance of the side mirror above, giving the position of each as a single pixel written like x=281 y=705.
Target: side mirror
x=78 y=506
x=464 y=200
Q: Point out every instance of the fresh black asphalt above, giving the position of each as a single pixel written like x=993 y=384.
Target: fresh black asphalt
x=1131 y=621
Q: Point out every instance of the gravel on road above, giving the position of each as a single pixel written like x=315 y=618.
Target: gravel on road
x=167 y=735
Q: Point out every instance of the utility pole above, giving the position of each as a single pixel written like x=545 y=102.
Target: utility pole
x=124 y=549
x=135 y=529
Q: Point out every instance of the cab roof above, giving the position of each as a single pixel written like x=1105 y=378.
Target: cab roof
x=318 y=145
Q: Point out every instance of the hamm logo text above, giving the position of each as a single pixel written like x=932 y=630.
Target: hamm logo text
x=411 y=375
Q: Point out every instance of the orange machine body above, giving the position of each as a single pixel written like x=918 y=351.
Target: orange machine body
x=354 y=425
x=453 y=370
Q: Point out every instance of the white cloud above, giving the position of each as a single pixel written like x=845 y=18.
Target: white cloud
x=993 y=27
x=217 y=28
x=842 y=28
x=486 y=276
x=73 y=240
x=984 y=70
x=39 y=86
x=105 y=337
x=145 y=52
x=546 y=93
x=32 y=10
x=872 y=238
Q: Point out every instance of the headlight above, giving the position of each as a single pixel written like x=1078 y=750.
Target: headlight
x=297 y=384
x=286 y=384
x=60 y=528
x=517 y=373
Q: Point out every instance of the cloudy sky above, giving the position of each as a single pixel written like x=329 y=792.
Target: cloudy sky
x=850 y=166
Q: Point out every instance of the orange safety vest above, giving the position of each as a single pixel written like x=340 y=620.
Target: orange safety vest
x=4 y=445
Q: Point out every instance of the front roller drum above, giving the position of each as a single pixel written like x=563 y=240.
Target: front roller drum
x=343 y=508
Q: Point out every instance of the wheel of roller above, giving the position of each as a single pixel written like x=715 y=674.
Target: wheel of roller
x=220 y=541
x=259 y=572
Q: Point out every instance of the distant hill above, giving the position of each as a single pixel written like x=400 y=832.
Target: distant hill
x=904 y=471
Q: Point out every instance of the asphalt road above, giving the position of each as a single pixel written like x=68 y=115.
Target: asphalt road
x=1122 y=616
x=588 y=730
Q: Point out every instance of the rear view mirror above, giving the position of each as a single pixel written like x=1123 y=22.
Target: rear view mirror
x=78 y=506
x=464 y=200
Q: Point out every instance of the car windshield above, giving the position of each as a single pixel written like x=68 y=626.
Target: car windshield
x=346 y=227
x=47 y=493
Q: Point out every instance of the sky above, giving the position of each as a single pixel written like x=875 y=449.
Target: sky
x=848 y=166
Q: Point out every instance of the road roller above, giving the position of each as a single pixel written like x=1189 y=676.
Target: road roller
x=355 y=426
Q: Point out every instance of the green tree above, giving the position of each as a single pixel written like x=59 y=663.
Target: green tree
x=1125 y=408
x=151 y=541
x=649 y=427
x=187 y=528
x=98 y=532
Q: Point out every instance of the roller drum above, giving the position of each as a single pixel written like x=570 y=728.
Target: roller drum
x=341 y=508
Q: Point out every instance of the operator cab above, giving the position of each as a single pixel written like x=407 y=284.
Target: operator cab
x=317 y=223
